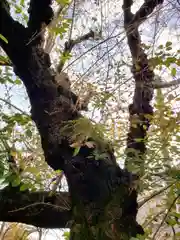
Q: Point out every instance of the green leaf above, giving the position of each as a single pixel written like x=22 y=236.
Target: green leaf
x=76 y=151
x=66 y=235
x=24 y=187
x=18 y=9
x=4 y=59
x=171 y=222
x=175 y=214
x=63 y=2
x=161 y=46
x=2 y=80
x=16 y=182
x=18 y=82
x=168 y=44
x=22 y=3
x=69 y=20
x=3 y=38
x=159 y=53
x=178 y=192
x=33 y=170
x=171 y=60
x=29 y=133
x=169 y=48
x=173 y=72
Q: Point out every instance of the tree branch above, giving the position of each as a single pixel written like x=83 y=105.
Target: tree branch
x=164 y=218
x=140 y=110
x=15 y=107
x=5 y=18
x=147 y=199
x=14 y=32
x=69 y=46
x=40 y=209
x=166 y=84
x=40 y=15
x=135 y=20
x=145 y=10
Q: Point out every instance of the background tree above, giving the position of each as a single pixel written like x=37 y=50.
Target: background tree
x=108 y=201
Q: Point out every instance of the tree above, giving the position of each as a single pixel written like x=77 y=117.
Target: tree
x=102 y=207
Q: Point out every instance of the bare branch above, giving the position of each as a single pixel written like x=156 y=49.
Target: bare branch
x=135 y=20
x=36 y=208
x=69 y=46
x=164 y=218
x=167 y=84
x=140 y=204
x=154 y=218
x=145 y=10
x=15 y=107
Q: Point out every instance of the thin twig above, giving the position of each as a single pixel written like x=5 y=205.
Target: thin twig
x=154 y=195
x=174 y=233
x=164 y=218
x=152 y=219
x=69 y=45
x=64 y=207
x=57 y=183
x=167 y=84
x=90 y=49
x=12 y=105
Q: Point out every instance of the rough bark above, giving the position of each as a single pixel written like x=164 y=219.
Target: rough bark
x=105 y=206
x=140 y=111
x=38 y=208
